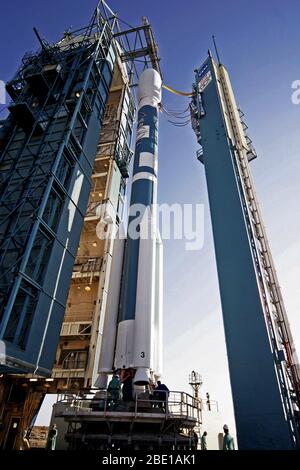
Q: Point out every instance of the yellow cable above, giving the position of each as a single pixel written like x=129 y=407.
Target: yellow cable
x=176 y=92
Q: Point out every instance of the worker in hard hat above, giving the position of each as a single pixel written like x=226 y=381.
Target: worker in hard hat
x=113 y=391
x=228 y=442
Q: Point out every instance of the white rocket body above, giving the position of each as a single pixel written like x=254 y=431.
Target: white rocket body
x=109 y=332
x=158 y=311
x=136 y=330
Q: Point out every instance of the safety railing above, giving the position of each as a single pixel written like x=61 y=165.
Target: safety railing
x=74 y=364
x=75 y=360
x=83 y=328
x=94 y=208
x=83 y=315
x=210 y=405
x=170 y=405
x=85 y=264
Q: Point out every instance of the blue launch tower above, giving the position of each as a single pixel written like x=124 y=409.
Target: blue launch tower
x=48 y=145
x=263 y=366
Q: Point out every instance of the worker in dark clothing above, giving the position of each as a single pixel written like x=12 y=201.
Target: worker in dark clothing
x=127 y=389
x=161 y=393
x=195 y=441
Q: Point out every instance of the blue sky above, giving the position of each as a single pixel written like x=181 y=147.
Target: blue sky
x=259 y=44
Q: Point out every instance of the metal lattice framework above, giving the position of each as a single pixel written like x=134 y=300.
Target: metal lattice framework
x=55 y=93
x=138 y=47
x=60 y=75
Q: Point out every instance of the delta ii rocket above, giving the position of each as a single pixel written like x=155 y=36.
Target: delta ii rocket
x=132 y=330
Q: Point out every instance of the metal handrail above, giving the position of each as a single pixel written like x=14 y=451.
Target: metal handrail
x=177 y=404
x=73 y=364
x=87 y=263
x=92 y=208
x=76 y=316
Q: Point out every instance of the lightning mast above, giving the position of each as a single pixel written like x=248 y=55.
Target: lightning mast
x=195 y=381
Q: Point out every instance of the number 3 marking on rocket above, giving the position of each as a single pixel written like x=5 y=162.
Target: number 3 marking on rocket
x=142 y=354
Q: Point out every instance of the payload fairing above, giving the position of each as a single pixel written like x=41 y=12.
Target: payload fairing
x=132 y=331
